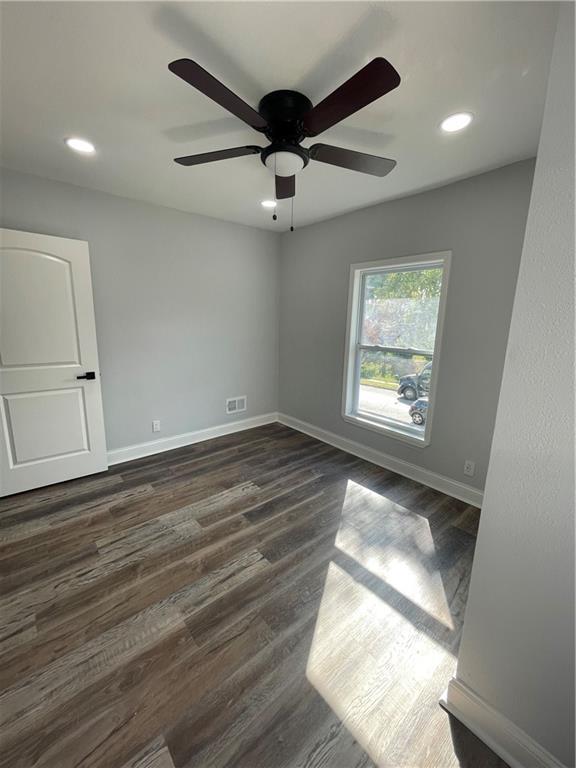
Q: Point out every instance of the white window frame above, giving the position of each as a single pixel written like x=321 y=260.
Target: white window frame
x=352 y=354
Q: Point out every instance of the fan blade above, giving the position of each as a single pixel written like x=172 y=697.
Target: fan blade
x=219 y=154
x=285 y=187
x=207 y=84
x=372 y=81
x=354 y=161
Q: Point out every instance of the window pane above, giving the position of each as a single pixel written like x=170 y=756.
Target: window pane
x=382 y=374
x=399 y=313
x=401 y=308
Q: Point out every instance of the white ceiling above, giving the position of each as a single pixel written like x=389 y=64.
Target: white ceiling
x=99 y=70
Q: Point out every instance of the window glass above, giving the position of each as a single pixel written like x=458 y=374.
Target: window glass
x=393 y=346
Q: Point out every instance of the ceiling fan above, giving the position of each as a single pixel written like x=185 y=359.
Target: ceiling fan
x=286 y=118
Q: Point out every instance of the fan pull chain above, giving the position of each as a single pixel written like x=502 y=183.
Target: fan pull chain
x=274 y=216
x=292 y=216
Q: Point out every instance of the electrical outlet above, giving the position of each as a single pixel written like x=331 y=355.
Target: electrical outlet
x=156 y=426
x=469 y=467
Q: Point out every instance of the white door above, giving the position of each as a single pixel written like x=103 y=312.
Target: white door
x=51 y=422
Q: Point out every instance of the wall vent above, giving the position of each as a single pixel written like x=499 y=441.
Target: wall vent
x=236 y=404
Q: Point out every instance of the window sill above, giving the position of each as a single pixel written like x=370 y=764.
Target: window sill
x=395 y=430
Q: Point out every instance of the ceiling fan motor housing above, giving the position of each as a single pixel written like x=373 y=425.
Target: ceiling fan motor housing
x=284 y=113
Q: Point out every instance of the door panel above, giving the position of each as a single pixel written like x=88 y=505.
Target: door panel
x=45 y=425
x=37 y=332
x=51 y=422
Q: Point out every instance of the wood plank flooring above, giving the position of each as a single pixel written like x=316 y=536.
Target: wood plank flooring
x=261 y=600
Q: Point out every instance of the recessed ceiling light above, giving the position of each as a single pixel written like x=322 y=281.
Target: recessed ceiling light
x=268 y=203
x=81 y=145
x=456 y=122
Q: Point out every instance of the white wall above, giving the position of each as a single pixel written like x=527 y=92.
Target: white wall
x=482 y=220
x=517 y=650
x=186 y=306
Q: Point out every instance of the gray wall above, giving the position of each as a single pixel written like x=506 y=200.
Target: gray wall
x=186 y=306
x=517 y=649
x=482 y=221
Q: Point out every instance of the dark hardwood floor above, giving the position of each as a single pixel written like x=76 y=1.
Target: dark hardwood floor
x=261 y=600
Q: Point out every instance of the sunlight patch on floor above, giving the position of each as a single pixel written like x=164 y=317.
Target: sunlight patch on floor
x=408 y=565
x=371 y=664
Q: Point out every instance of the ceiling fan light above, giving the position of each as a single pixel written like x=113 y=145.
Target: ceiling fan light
x=284 y=163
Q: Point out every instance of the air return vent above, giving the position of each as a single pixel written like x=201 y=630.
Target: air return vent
x=236 y=404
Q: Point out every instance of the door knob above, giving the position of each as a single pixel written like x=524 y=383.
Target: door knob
x=87 y=375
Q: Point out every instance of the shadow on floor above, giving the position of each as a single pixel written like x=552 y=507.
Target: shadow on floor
x=470 y=751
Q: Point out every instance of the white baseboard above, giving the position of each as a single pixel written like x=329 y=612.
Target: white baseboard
x=131 y=452
x=439 y=482
x=509 y=742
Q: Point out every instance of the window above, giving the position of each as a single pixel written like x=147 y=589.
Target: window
x=395 y=317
